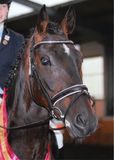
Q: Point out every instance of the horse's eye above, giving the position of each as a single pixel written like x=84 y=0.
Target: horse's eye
x=45 y=60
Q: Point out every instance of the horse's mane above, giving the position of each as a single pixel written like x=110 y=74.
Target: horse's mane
x=14 y=68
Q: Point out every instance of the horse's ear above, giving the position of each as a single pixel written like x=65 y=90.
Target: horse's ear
x=42 y=20
x=69 y=21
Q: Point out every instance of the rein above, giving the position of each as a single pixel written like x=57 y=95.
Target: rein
x=28 y=126
x=78 y=89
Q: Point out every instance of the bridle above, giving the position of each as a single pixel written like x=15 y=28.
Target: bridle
x=78 y=89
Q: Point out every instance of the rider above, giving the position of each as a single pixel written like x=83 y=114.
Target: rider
x=10 y=42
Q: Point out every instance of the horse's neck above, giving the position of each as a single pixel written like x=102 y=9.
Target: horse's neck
x=29 y=143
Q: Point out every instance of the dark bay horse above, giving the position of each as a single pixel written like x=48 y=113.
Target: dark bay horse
x=47 y=84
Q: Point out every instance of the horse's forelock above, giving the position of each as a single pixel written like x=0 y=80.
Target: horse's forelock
x=53 y=28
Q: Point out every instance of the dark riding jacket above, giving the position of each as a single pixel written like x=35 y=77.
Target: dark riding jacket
x=9 y=49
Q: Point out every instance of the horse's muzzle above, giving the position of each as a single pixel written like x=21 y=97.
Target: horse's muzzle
x=82 y=126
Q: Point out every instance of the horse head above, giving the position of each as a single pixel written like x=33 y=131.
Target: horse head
x=55 y=75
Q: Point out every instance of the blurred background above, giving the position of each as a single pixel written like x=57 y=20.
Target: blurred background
x=93 y=36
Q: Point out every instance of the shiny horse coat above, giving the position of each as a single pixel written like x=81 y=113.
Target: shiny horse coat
x=47 y=85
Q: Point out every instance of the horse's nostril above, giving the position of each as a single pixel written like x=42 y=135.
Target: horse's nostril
x=80 y=120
